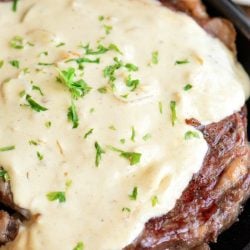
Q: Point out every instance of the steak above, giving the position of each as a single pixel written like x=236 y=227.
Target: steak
x=213 y=198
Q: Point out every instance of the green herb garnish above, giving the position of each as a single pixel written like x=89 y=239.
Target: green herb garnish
x=1 y=63
x=34 y=87
x=155 y=57
x=173 y=112
x=34 y=143
x=4 y=175
x=154 y=201
x=34 y=105
x=99 y=152
x=132 y=83
x=60 y=45
x=53 y=196
x=185 y=61
x=14 y=5
x=133 y=157
x=39 y=156
x=72 y=115
x=15 y=63
x=45 y=64
x=146 y=137
x=191 y=134
x=126 y=209
x=102 y=90
x=88 y=133
x=134 y=194
x=132 y=138
x=107 y=29
x=160 y=107
x=187 y=87
x=77 y=88
x=79 y=246
x=48 y=124
x=7 y=148
x=17 y=42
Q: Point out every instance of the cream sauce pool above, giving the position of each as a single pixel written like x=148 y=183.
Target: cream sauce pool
x=141 y=70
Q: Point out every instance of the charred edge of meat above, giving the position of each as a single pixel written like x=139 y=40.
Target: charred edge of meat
x=213 y=198
x=11 y=215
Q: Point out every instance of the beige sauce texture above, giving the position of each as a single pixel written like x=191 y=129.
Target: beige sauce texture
x=181 y=71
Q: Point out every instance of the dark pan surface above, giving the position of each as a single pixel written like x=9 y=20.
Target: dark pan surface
x=238 y=236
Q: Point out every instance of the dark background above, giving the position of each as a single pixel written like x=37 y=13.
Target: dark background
x=238 y=236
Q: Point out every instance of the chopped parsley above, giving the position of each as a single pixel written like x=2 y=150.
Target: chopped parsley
x=131 y=67
x=126 y=209
x=48 y=124
x=79 y=246
x=101 y=49
x=34 y=105
x=53 y=196
x=112 y=127
x=15 y=63
x=146 y=137
x=132 y=138
x=45 y=53
x=36 y=88
x=178 y=62
x=39 y=156
x=88 y=133
x=173 y=112
x=133 y=157
x=22 y=93
x=134 y=194
x=160 y=107
x=72 y=115
x=122 y=141
x=14 y=5
x=45 y=64
x=107 y=29
x=191 y=134
x=155 y=57
x=132 y=83
x=154 y=201
x=187 y=87
x=77 y=88
x=99 y=152
x=101 y=18
x=1 y=63
x=82 y=60
x=17 y=42
x=7 y=148
x=60 y=45
x=34 y=143
x=4 y=175
x=102 y=90
x=68 y=184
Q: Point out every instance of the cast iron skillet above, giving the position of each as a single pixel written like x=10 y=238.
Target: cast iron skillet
x=237 y=237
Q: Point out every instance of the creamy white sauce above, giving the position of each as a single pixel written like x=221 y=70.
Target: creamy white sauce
x=93 y=212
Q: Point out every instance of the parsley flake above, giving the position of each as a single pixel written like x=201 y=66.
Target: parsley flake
x=53 y=196
x=154 y=201
x=88 y=133
x=48 y=124
x=132 y=138
x=1 y=63
x=14 y=5
x=4 y=175
x=173 y=112
x=187 y=87
x=77 y=88
x=72 y=115
x=34 y=87
x=146 y=137
x=133 y=157
x=99 y=152
x=134 y=194
x=126 y=209
x=34 y=105
x=155 y=57
x=15 y=63
x=7 y=148
x=79 y=246
x=39 y=156
x=191 y=134
x=179 y=62
x=17 y=42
